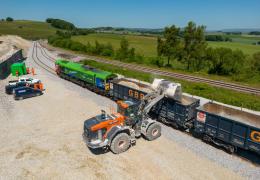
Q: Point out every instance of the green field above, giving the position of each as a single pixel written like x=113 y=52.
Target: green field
x=147 y=45
x=246 y=48
x=27 y=29
x=143 y=45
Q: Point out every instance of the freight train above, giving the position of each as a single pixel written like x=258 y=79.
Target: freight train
x=224 y=126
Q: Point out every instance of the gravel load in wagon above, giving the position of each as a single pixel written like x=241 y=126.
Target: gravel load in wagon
x=135 y=85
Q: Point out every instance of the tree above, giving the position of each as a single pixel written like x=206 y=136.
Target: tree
x=171 y=46
x=256 y=61
x=122 y=52
x=194 y=46
x=131 y=54
x=9 y=19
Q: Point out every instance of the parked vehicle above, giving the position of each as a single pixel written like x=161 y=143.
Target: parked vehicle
x=26 y=92
x=9 y=89
x=86 y=76
x=24 y=79
x=228 y=127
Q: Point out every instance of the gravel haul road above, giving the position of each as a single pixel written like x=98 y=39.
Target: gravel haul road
x=41 y=138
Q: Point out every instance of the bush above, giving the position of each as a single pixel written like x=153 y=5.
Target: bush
x=157 y=62
x=64 y=34
x=138 y=58
x=224 y=61
x=76 y=46
x=107 y=50
x=214 y=38
x=9 y=19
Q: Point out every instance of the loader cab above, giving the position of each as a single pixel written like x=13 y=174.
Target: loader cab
x=129 y=110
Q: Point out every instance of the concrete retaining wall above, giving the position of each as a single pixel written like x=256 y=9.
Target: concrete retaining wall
x=6 y=64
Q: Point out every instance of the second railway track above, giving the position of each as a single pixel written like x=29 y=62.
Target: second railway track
x=39 y=62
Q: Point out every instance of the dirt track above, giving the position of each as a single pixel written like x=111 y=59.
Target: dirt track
x=41 y=138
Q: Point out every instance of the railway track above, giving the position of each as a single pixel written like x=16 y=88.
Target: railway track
x=231 y=86
x=39 y=62
x=216 y=83
x=45 y=54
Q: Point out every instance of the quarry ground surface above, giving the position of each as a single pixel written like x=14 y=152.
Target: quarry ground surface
x=41 y=137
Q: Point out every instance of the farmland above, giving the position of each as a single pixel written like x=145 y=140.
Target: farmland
x=143 y=45
x=27 y=29
x=147 y=45
x=246 y=48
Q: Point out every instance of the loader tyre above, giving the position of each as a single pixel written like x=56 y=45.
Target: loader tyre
x=120 y=143
x=153 y=132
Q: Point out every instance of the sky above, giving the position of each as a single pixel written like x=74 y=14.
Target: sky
x=214 y=14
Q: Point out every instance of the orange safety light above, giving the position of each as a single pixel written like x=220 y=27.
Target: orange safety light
x=41 y=86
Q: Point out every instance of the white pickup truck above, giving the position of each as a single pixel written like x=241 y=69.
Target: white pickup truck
x=27 y=80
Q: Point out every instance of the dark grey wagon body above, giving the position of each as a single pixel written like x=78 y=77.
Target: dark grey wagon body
x=179 y=114
x=228 y=127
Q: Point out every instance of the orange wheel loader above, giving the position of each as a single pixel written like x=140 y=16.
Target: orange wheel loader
x=119 y=131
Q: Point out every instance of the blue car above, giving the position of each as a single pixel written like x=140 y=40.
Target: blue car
x=26 y=92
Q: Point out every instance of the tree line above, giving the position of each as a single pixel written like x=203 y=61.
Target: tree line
x=217 y=38
x=189 y=47
x=67 y=29
x=254 y=33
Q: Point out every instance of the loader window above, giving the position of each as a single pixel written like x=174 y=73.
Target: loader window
x=122 y=110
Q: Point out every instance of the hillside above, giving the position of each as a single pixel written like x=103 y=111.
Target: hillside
x=27 y=29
